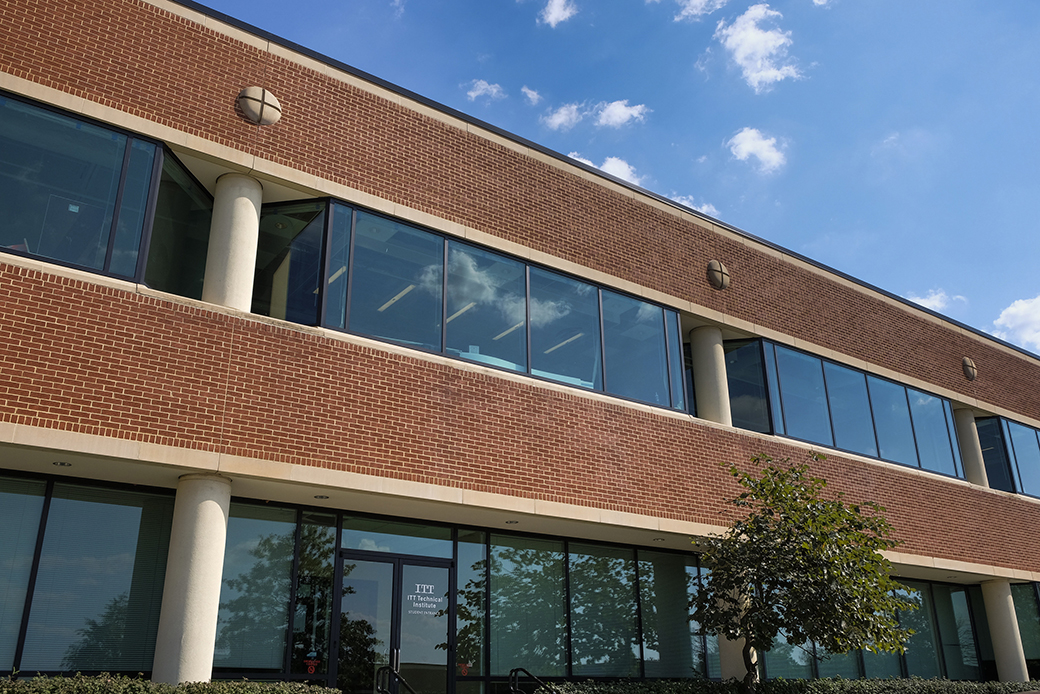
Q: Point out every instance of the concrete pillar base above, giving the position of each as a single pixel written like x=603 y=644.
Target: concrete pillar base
x=191 y=594
x=1003 y=628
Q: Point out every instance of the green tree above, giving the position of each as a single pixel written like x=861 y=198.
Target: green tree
x=103 y=642
x=800 y=562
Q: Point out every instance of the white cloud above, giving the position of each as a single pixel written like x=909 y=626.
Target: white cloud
x=564 y=118
x=935 y=299
x=1020 y=323
x=557 y=11
x=820 y=3
x=618 y=113
x=533 y=97
x=615 y=166
x=483 y=88
x=695 y=9
x=750 y=142
x=688 y=200
x=578 y=157
x=756 y=50
x=398 y=6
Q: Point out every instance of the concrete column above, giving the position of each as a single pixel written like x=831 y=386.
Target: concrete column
x=710 y=385
x=191 y=594
x=1003 y=628
x=233 y=236
x=731 y=659
x=971 y=449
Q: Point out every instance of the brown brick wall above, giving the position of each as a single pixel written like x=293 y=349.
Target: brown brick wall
x=86 y=358
x=137 y=58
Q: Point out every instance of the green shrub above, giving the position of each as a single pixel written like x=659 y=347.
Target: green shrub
x=913 y=685
x=121 y=684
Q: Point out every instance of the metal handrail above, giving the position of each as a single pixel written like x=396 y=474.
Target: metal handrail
x=514 y=681
x=383 y=680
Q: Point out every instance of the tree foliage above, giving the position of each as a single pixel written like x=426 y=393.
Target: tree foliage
x=802 y=563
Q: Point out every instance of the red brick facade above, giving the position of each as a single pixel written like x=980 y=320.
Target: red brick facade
x=105 y=51
x=79 y=357
x=82 y=357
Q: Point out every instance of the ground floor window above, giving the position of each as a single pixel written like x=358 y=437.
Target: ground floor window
x=81 y=578
x=951 y=640
x=332 y=597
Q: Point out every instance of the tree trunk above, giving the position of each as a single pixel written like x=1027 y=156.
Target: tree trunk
x=747 y=685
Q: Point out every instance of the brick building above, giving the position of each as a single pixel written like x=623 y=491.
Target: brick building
x=378 y=383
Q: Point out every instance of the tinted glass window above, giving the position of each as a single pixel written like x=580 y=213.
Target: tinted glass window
x=844 y=665
x=787 y=661
x=688 y=377
x=253 y=621
x=378 y=535
x=604 y=631
x=932 y=432
x=312 y=611
x=1027 y=613
x=987 y=658
x=675 y=359
x=769 y=352
x=922 y=653
x=892 y=421
x=528 y=610
x=338 y=266
x=60 y=183
x=634 y=341
x=21 y=502
x=180 y=233
x=952 y=428
x=487 y=307
x=671 y=645
x=748 y=402
x=1027 y=457
x=998 y=470
x=850 y=410
x=803 y=395
x=565 y=342
x=288 y=261
x=881 y=665
x=472 y=603
x=130 y=224
x=397 y=282
x=99 y=588
x=953 y=617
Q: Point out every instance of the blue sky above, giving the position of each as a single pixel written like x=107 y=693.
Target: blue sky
x=897 y=141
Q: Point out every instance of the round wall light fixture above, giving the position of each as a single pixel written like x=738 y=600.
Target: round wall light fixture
x=259 y=106
x=718 y=275
x=971 y=372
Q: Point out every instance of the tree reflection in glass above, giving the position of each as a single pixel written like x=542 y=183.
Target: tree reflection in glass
x=604 y=633
x=364 y=626
x=312 y=612
x=528 y=612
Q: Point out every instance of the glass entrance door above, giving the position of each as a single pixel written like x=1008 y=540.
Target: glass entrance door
x=393 y=612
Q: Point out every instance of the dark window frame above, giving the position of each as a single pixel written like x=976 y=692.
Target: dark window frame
x=948 y=406
x=332 y=203
x=161 y=151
